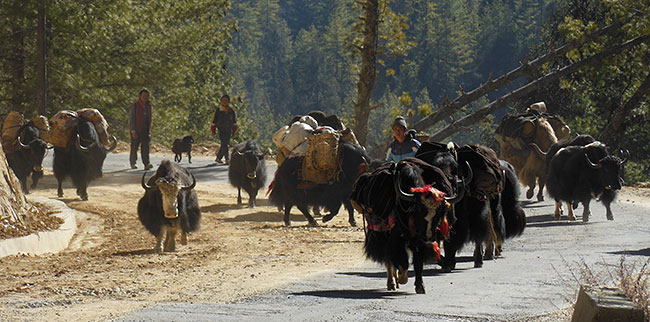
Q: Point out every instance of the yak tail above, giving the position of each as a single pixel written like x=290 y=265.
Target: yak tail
x=513 y=213
x=375 y=246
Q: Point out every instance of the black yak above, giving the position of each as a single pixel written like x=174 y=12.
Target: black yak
x=404 y=204
x=580 y=173
x=247 y=170
x=82 y=159
x=289 y=189
x=475 y=220
x=169 y=205
x=183 y=145
x=28 y=159
x=580 y=140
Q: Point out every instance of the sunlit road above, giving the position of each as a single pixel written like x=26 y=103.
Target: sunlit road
x=535 y=275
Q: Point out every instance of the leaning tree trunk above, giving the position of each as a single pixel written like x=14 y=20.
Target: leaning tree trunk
x=368 y=72
x=517 y=94
x=13 y=204
x=616 y=123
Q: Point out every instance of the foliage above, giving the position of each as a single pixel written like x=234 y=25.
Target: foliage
x=101 y=53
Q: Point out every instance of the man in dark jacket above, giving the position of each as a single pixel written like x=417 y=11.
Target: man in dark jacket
x=225 y=121
x=140 y=128
x=404 y=145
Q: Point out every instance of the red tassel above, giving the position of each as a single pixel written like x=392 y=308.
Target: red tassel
x=270 y=187
x=425 y=190
x=436 y=250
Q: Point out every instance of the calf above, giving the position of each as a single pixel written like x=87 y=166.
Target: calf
x=183 y=145
x=247 y=170
x=169 y=205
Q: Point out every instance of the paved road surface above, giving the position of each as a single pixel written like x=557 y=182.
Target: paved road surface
x=117 y=166
x=533 y=278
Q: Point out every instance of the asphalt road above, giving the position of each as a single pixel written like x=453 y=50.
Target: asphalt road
x=534 y=277
x=117 y=167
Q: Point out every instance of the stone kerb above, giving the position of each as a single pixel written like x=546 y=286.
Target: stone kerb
x=47 y=241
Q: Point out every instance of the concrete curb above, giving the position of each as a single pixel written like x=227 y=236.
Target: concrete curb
x=44 y=242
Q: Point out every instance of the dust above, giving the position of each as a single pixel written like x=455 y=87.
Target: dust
x=110 y=268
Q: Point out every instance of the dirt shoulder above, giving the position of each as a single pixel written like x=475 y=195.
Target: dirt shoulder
x=110 y=269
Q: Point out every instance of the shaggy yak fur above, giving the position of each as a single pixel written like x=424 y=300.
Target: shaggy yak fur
x=481 y=214
x=288 y=188
x=169 y=205
x=82 y=159
x=581 y=173
x=183 y=145
x=401 y=220
x=247 y=170
x=28 y=159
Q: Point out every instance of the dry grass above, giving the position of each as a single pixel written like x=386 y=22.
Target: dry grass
x=631 y=276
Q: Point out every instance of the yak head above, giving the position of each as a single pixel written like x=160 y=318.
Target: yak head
x=32 y=147
x=251 y=161
x=169 y=188
x=609 y=169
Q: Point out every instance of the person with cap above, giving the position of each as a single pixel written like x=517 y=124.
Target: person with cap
x=225 y=121
x=140 y=130
x=404 y=145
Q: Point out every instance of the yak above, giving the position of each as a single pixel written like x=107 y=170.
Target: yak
x=288 y=188
x=483 y=182
x=183 y=145
x=404 y=203
x=247 y=170
x=580 y=140
x=169 y=205
x=82 y=159
x=28 y=159
x=580 y=173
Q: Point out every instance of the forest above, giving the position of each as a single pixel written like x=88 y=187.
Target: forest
x=279 y=58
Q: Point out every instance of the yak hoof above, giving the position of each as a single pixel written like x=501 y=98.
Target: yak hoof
x=287 y=223
x=557 y=215
x=239 y=201
x=419 y=289
x=576 y=204
x=610 y=217
x=540 y=198
x=488 y=255
x=313 y=223
x=391 y=286
x=353 y=223
x=84 y=197
x=327 y=218
x=478 y=264
x=529 y=193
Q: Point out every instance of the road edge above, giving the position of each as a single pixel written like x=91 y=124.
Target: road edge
x=46 y=241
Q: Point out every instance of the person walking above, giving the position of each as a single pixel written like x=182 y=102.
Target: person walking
x=404 y=145
x=225 y=121
x=140 y=128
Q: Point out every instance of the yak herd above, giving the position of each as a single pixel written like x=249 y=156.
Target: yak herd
x=421 y=209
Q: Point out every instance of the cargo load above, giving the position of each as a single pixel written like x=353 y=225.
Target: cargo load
x=94 y=116
x=62 y=125
x=321 y=163
x=10 y=127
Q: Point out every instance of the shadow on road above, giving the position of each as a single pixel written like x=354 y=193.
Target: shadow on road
x=353 y=294
x=539 y=218
x=270 y=216
x=145 y=251
x=532 y=204
x=640 y=252
x=562 y=222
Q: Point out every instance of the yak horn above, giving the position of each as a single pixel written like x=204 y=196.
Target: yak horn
x=591 y=164
x=79 y=146
x=24 y=146
x=470 y=174
x=459 y=195
x=113 y=145
x=190 y=187
x=537 y=149
x=144 y=184
x=625 y=155
x=398 y=189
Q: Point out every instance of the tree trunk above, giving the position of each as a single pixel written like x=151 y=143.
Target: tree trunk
x=368 y=72
x=449 y=108
x=16 y=61
x=12 y=200
x=502 y=101
x=615 y=125
x=41 y=61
